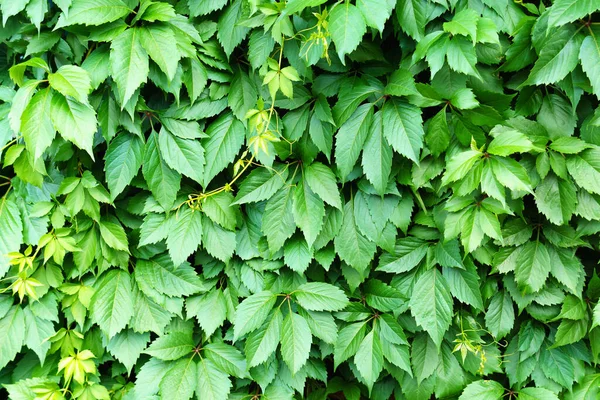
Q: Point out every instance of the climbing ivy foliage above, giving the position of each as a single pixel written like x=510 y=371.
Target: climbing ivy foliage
x=303 y=199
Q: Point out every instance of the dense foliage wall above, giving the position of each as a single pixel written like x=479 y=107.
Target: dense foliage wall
x=251 y=199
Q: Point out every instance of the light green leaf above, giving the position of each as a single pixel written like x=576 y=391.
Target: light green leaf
x=375 y=12
x=158 y=41
x=75 y=121
x=585 y=169
x=403 y=128
x=350 y=139
x=369 y=359
x=296 y=340
x=351 y=246
x=128 y=63
x=260 y=185
x=71 y=80
x=229 y=32
x=111 y=307
x=558 y=57
x=431 y=304
x=348 y=341
x=463 y=23
x=556 y=199
x=219 y=209
x=346 y=27
x=162 y=181
x=532 y=267
x=510 y=174
x=180 y=381
x=218 y=242
x=252 y=312
x=227 y=358
x=38 y=130
x=123 y=160
x=167 y=278
x=185 y=156
x=412 y=17
x=171 y=346
x=211 y=383
x=114 y=235
x=565 y=11
x=127 y=346
x=320 y=296
x=377 y=156
x=508 y=141
x=210 y=310
x=93 y=12
x=589 y=54
x=483 y=390
x=225 y=137
x=38 y=332
x=461 y=56
x=263 y=342
x=278 y=219
x=309 y=211
x=10 y=8
x=14 y=328
x=500 y=315
x=322 y=181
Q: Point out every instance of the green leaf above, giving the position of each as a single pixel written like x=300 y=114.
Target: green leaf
x=309 y=212
x=438 y=136
x=463 y=23
x=75 y=121
x=93 y=12
x=36 y=126
x=211 y=383
x=219 y=209
x=350 y=139
x=180 y=381
x=531 y=393
x=111 y=307
x=460 y=164
x=556 y=199
x=403 y=128
x=162 y=181
x=589 y=54
x=565 y=11
x=412 y=16
x=14 y=328
x=278 y=219
x=351 y=246
x=510 y=174
x=263 y=342
x=157 y=40
x=348 y=342
x=128 y=63
x=461 y=56
x=229 y=32
x=19 y=103
x=533 y=267
x=225 y=137
x=38 y=332
x=500 y=315
x=431 y=304
x=557 y=366
x=464 y=99
x=377 y=156
x=322 y=181
x=369 y=359
x=483 y=390
x=401 y=83
x=227 y=358
x=508 y=141
x=346 y=27
x=585 y=170
x=296 y=340
x=71 y=80
x=172 y=346
x=185 y=156
x=123 y=160
x=114 y=235
x=464 y=285
x=218 y=242
x=167 y=278
x=10 y=8
x=252 y=312
x=319 y=296
x=375 y=12
x=210 y=310
x=127 y=346
x=558 y=57
x=260 y=185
